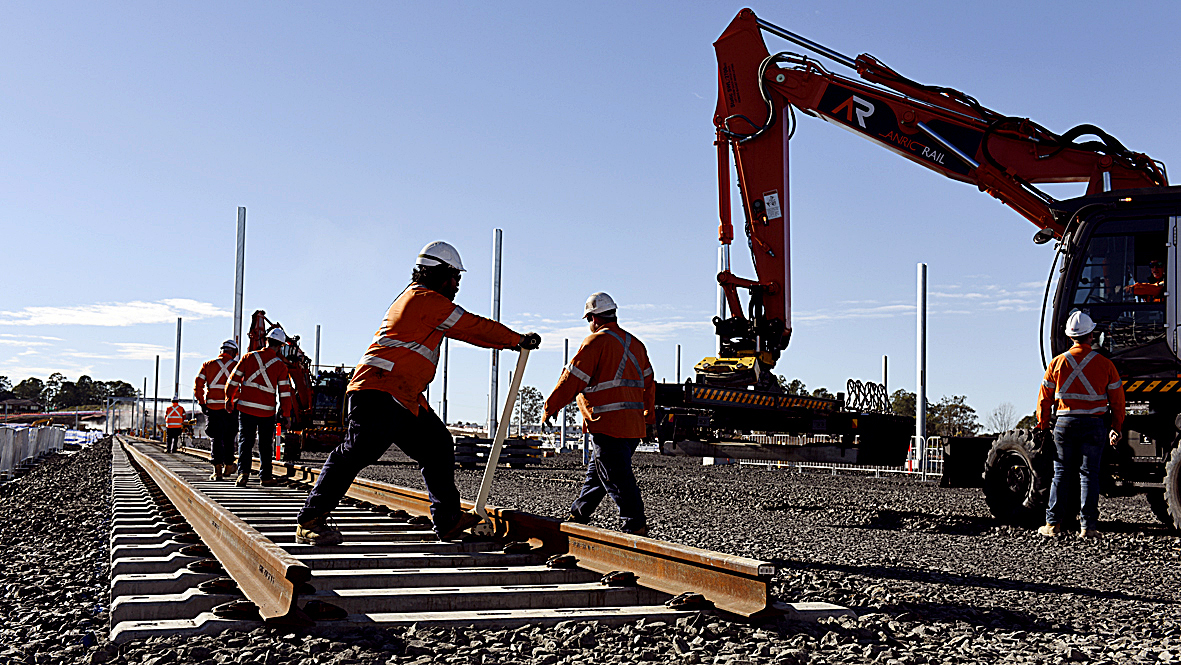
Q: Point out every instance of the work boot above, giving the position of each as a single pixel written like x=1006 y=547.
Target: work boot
x=642 y=532
x=466 y=521
x=1090 y=534
x=216 y=472
x=1050 y=530
x=269 y=481
x=320 y=532
x=241 y=481
x=230 y=469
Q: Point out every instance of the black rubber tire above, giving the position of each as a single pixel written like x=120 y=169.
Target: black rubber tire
x=1017 y=476
x=1173 y=486
x=1158 y=503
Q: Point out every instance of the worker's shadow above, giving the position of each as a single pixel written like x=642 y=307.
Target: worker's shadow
x=906 y=520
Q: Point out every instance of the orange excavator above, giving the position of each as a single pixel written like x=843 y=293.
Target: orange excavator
x=1115 y=237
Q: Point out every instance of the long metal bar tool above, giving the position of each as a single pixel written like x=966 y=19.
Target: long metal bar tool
x=498 y=443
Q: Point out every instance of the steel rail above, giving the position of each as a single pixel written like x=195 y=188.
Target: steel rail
x=266 y=575
x=733 y=584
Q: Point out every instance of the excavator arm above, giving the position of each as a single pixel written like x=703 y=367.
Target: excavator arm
x=940 y=128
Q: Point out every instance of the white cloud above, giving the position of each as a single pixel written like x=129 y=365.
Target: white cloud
x=24 y=343
x=113 y=314
x=881 y=312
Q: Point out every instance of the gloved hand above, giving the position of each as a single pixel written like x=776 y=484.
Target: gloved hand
x=529 y=341
x=205 y=409
x=548 y=422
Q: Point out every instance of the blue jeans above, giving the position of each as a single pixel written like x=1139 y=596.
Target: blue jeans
x=1078 y=452
x=610 y=472
x=264 y=429
x=377 y=421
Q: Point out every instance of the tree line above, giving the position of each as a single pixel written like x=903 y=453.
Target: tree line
x=58 y=393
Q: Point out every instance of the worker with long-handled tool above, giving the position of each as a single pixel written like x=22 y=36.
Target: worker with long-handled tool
x=385 y=397
x=612 y=379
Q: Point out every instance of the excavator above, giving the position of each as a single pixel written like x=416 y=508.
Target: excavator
x=1115 y=257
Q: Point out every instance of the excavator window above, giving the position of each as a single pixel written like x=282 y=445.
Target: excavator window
x=1120 y=283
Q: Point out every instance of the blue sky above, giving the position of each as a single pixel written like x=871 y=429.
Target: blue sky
x=356 y=133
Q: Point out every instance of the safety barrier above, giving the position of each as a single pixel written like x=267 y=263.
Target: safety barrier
x=914 y=465
x=21 y=447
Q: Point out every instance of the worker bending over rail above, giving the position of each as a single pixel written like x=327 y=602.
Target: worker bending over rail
x=221 y=424
x=385 y=401
x=1085 y=386
x=260 y=390
x=174 y=423
x=612 y=379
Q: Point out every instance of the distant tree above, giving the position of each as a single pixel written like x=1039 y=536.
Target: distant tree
x=5 y=384
x=1028 y=422
x=52 y=387
x=529 y=405
x=572 y=414
x=822 y=392
x=1001 y=418
x=953 y=417
x=793 y=387
x=119 y=389
x=902 y=402
x=30 y=388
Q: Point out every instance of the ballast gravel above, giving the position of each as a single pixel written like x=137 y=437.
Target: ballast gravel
x=932 y=577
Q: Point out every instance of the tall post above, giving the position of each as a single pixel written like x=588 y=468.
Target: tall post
x=239 y=275
x=565 y=362
x=316 y=367
x=176 y=382
x=723 y=265
x=143 y=412
x=678 y=364
x=920 y=398
x=446 y=358
x=497 y=239
x=156 y=399
x=885 y=374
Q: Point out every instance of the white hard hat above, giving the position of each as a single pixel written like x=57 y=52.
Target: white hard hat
x=598 y=303
x=278 y=335
x=1079 y=324
x=230 y=344
x=439 y=253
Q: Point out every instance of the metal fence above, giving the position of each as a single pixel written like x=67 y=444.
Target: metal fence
x=925 y=466
x=22 y=447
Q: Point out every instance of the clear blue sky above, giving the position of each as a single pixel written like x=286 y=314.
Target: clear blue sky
x=355 y=133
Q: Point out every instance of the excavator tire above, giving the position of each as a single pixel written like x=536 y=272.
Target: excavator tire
x=1017 y=476
x=1158 y=503
x=1173 y=486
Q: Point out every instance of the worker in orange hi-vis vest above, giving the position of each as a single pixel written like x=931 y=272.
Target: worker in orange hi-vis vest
x=221 y=424
x=1086 y=388
x=612 y=380
x=259 y=391
x=385 y=401
x=174 y=423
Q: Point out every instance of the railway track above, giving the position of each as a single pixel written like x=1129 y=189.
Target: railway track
x=194 y=556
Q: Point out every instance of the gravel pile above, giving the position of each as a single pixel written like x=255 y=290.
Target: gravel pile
x=932 y=577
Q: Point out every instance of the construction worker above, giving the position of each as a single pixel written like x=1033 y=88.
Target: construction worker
x=1085 y=386
x=174 y=423
x=612 y=379
x=1154 y=289
x=259 y=390
x=385 y=401
x=221 y=424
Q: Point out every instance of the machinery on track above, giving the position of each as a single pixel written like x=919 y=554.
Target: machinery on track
x=1117 y=244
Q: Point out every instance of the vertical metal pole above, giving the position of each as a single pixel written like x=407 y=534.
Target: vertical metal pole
x=446 y=358
x=144 y=411
x=510 y=413
x=885 y=366
x=565 y=362
x=176 y=383
x=156 y=399
x=316 y=367
x=920 y=398
x=239 y=275
x=493 y=400
x=723 y=265
x=678 y=363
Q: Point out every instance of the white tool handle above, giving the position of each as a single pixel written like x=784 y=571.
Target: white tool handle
x=501 y=434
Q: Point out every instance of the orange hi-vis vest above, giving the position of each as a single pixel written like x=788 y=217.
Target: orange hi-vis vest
x=612 y=379
x=259 y=380
x=1082 y=383
x=174 y=416
x=210 y=386
x=402 y=358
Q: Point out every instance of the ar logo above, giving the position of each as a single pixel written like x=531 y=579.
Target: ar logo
x=855 y=105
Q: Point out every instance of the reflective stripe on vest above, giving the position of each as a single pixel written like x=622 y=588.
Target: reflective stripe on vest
x=267 y=386
x=451 y=320
x=377 y=361
x=224 y=374
x=1090 y=396
x=421 y=349
x=619 y=381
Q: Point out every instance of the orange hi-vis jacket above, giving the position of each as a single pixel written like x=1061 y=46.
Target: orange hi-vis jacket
x=259 y=379
x=174 y=416
x=612 y=379
x=402 y=358
x=1083 y=383
x=210 y=386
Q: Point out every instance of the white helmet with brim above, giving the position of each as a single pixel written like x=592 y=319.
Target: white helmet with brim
x=598 y=303
x=1079 y=324
x=439 y=253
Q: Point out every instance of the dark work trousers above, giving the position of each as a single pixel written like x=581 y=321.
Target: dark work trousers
x=610 y=472
x=1078 y=453
x=222 y=427
x=264 y=428
x=377 y=420
x=173 y=438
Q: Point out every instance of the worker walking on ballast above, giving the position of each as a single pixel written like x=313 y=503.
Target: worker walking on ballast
x=221 y=424
x=385 y=401
x=259 y=391
x=174 y=423
x=1086 y=386
x=612 y=379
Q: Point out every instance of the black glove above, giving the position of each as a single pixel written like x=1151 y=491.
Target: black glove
x=205 y=410
x=529 y=341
